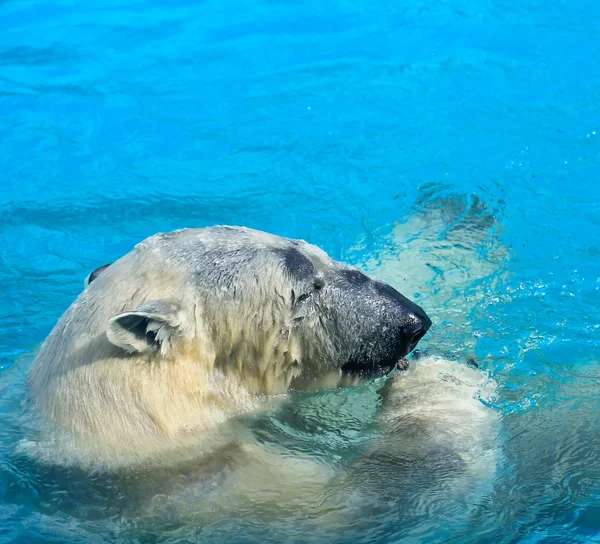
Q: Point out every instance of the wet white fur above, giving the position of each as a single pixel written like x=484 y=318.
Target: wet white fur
x=225 y=349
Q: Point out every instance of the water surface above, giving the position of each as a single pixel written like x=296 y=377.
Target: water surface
x=451 y=148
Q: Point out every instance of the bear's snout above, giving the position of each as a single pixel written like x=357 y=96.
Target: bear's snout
x=389 y=327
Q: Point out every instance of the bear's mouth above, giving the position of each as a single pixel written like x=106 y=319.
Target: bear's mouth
x=365 y=366
x=359 y=367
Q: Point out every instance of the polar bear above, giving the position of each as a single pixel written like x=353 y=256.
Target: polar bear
x=198 y=325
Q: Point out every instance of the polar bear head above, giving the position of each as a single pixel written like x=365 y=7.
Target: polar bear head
x=163 y=336
x=265 y=306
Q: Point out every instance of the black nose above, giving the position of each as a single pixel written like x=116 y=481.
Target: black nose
x=416 y=329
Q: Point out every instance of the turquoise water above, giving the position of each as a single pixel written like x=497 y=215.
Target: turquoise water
x=452 y=148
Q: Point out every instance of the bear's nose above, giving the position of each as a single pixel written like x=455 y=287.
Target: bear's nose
x=416 y=329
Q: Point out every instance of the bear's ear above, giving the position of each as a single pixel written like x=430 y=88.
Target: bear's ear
x=152 y=327
x=93 y=275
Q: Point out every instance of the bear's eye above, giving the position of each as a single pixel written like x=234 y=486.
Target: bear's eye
x=302 y=298
x=317 y=285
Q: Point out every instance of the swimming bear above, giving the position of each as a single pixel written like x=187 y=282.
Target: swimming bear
x=195 y=326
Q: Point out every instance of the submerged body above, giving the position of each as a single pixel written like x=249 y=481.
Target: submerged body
x=196 y=326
